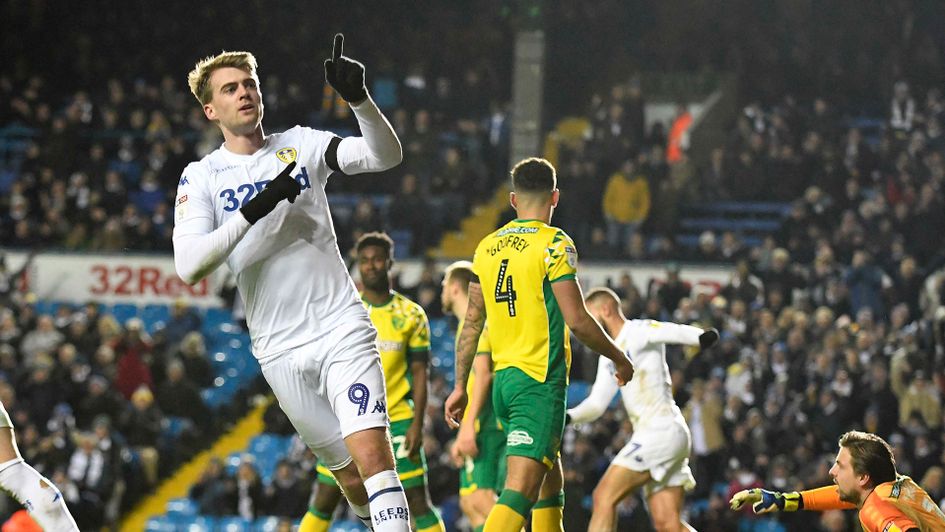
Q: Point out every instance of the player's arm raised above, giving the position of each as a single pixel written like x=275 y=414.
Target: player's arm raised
x=582 y=324
x=663 y=332
x=378 y=148
x=473 y=325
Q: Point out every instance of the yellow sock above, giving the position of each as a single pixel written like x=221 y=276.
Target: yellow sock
x=548 y=519
x=315 y=521
x=509 y=512
x=548 y=513
x=504 y=519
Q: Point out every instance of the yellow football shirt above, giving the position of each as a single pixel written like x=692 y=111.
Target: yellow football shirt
x=516 y=266
x=402 y=329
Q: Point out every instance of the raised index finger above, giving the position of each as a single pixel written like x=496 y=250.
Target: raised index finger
x=338 y=48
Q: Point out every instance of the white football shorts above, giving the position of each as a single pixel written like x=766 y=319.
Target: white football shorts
x=664 y=452
x=331 y=388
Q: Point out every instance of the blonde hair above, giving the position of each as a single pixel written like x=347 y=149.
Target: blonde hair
x=199 y=78
x=460 y=271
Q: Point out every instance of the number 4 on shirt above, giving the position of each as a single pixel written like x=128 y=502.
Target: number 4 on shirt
x=508 y=295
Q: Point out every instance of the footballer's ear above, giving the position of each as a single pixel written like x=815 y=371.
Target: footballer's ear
x=209 y=111
x=863 y=480
x=512 y=200
x=555 y=196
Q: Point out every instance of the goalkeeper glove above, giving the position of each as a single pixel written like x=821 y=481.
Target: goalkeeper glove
x=764 y=501
x=282 y=187
x=708 y=338
x=345 y=75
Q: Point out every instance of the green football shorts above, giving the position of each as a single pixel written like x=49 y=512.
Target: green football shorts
x=487 y=470
x=532 y=414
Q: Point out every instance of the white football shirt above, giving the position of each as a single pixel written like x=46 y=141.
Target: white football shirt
x=648 y=397
x=288 y=267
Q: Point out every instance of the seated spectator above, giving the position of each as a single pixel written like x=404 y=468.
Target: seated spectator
x=286 y=495
x=140 y=423
x=184 y=319
x=178 y=396
x=193 y=355
x=44 y=339
x=215 y=491
x=134 y=356
x=250 y=499
x=91 y=472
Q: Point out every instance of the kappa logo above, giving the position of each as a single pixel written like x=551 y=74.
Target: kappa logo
x=519 y=437
x=183 y=181
x=379 y=407
x=287 y=155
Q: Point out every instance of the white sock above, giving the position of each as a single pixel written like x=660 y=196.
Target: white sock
x=388 y=502
x=363 y=511
x=38 y=495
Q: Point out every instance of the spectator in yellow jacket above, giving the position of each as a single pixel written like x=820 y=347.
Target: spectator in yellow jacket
x=626 y=204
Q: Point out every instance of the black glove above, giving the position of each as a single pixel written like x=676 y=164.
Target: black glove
x=345 y=75
x=709 y=338
x=282 y=187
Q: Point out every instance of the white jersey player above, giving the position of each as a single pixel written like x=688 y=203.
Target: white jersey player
x=38 y=495
x=309 y=330
x=657 y=455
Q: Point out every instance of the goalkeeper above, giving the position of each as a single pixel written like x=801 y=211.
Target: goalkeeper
x=864 y=476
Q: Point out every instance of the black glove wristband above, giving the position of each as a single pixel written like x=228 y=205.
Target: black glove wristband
x=345 y=75
x=282 y=187
x=708 y=338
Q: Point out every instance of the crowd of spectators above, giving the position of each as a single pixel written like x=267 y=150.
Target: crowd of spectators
x=92 y=400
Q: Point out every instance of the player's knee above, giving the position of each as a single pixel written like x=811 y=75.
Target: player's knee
x=482 y=501
x=326 y=498
x=348 y=479
x=371 y=450
x=666 y=521
x=553 y=483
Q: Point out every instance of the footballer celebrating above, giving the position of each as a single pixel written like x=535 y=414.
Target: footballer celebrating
x=258 y=203
x=657 y=455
